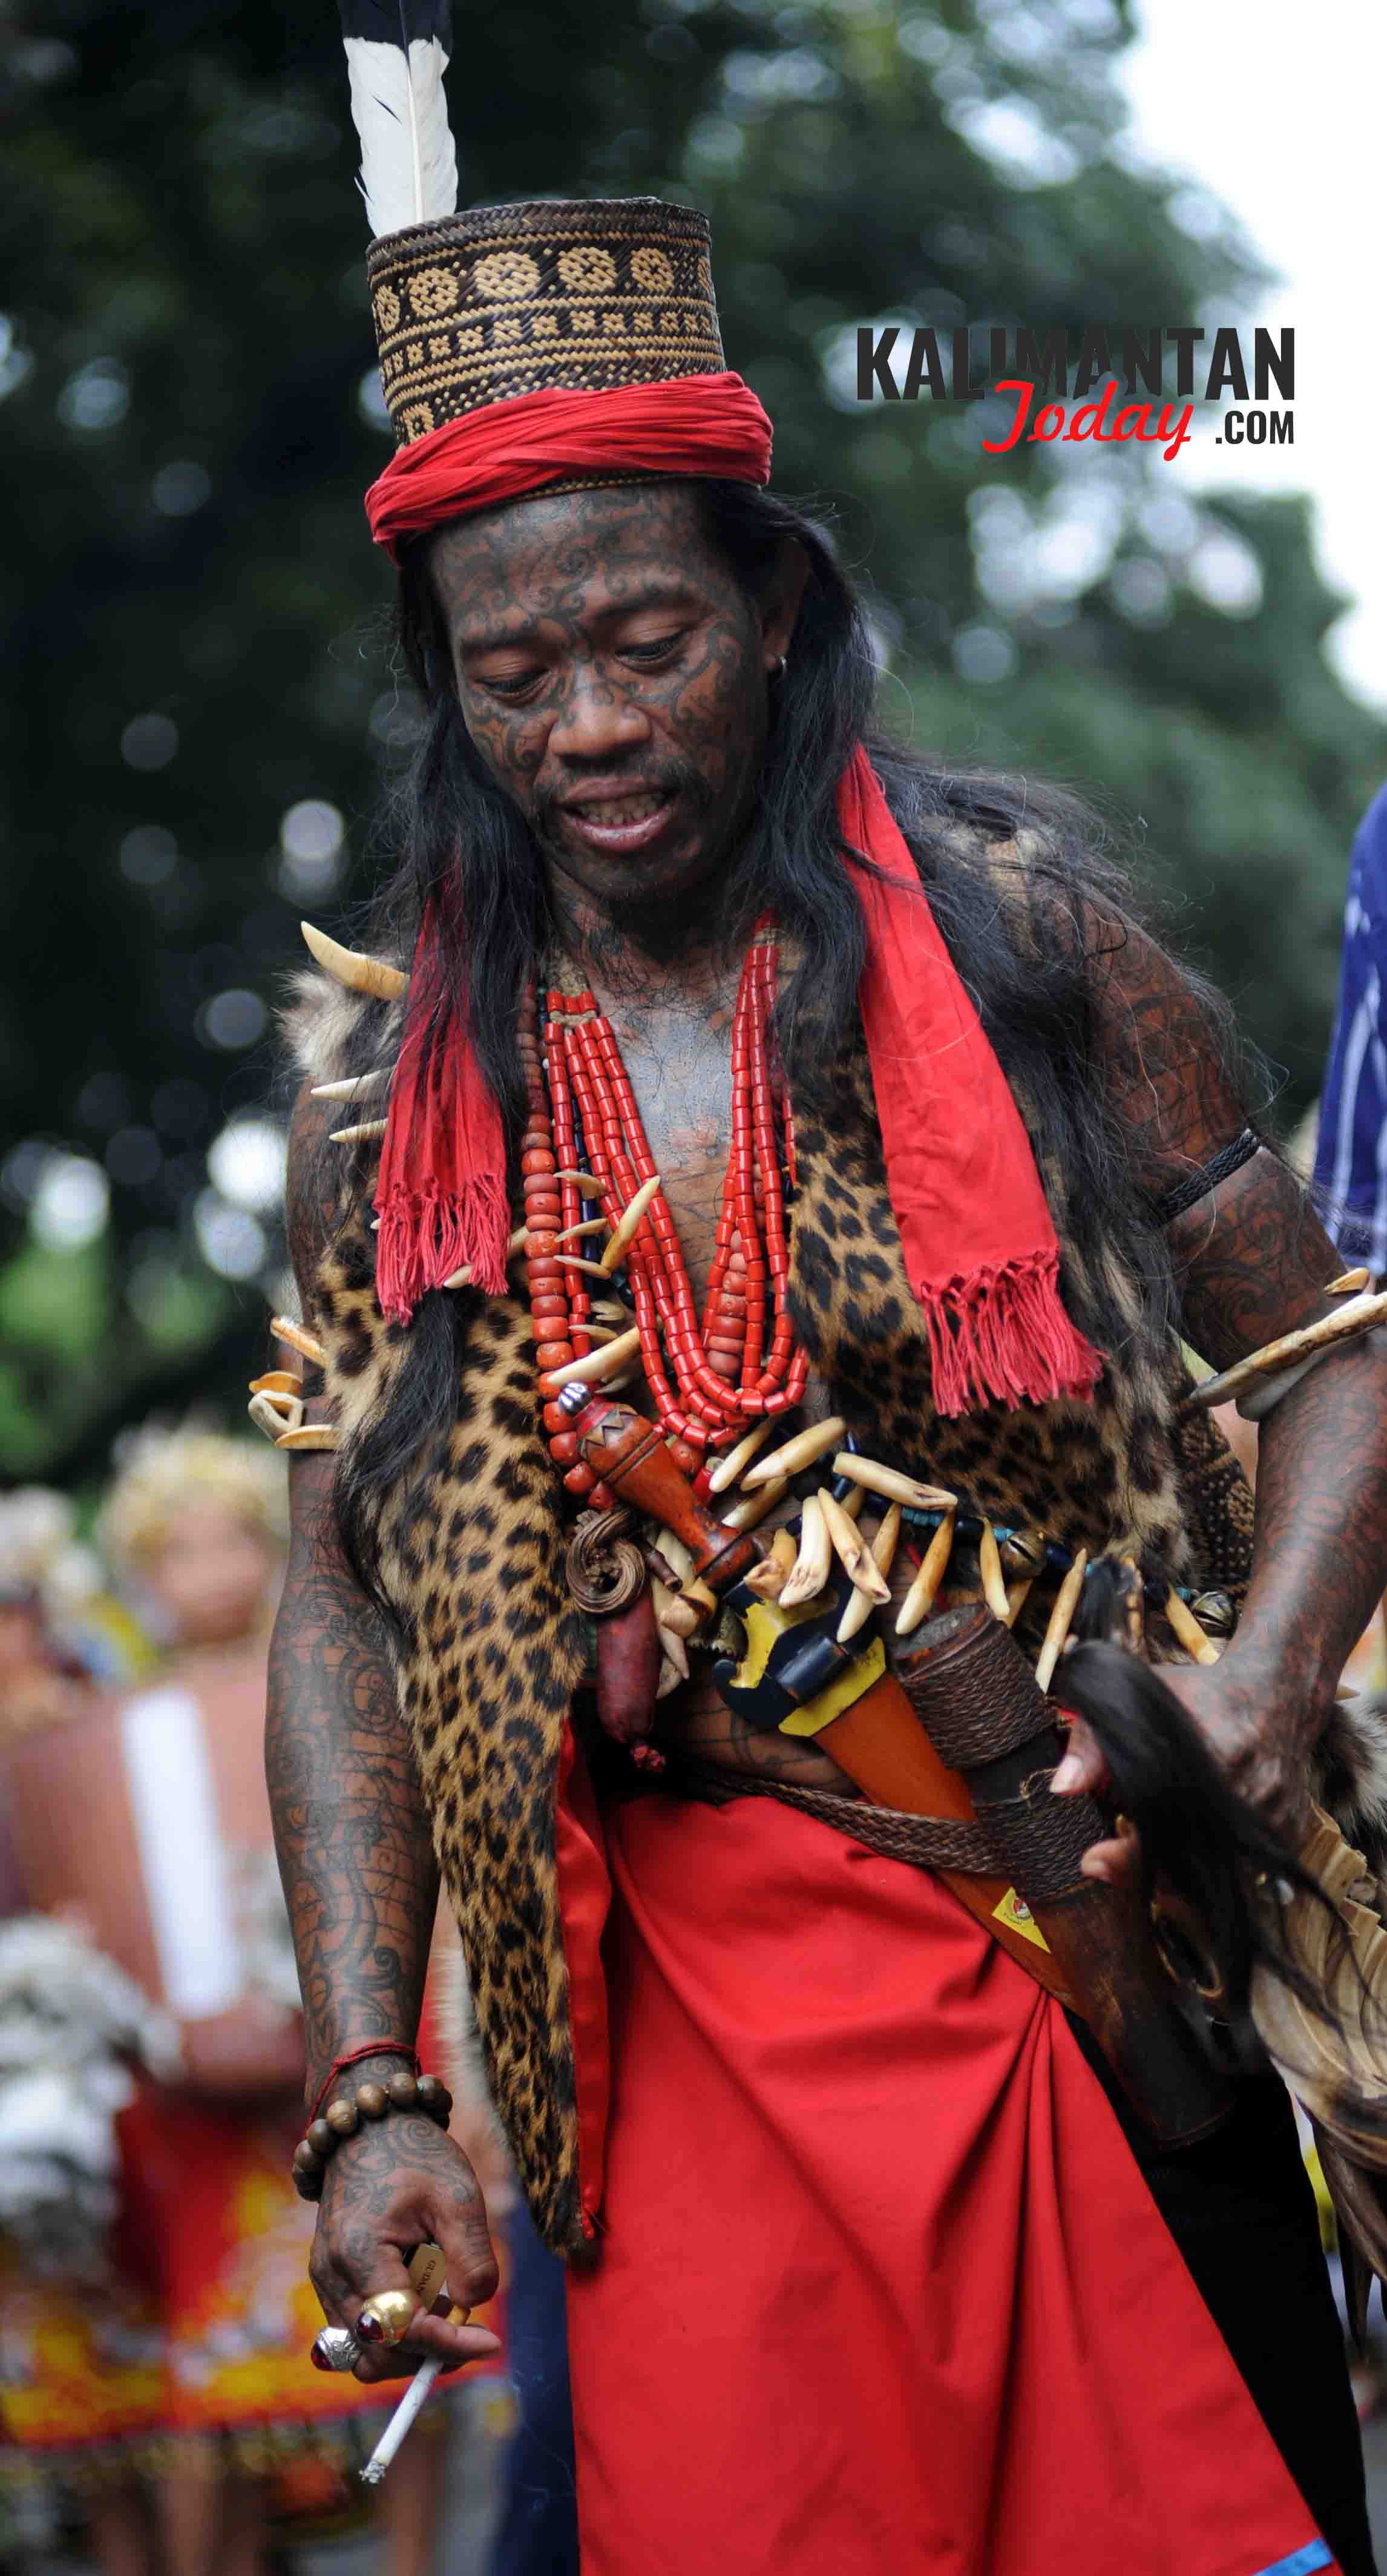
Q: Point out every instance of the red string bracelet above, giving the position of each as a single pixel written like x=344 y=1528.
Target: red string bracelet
x=353 y=2057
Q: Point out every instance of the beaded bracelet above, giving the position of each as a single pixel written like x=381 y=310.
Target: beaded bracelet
x=344 y=2115
x=354 y=2056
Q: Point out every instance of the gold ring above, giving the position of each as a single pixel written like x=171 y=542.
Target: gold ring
x=387 y=2317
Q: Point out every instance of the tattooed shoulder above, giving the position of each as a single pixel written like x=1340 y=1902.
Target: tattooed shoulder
x=1250 y=1254
x=1166 y=1057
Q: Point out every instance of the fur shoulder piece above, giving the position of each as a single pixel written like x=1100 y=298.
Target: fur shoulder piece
x=982 y=837
x=331 y=1033
x=1350 y=1774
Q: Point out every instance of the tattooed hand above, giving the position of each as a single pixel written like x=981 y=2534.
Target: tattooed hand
x=1258 y=1742
x=401 y=2182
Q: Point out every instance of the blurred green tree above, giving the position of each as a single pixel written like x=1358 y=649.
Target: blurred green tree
x=198 y=682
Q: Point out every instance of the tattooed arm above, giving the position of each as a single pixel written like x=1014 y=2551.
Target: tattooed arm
x=1253 y=1262
x=361 y=1886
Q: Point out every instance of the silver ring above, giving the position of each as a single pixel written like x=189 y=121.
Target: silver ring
x=338 y=2347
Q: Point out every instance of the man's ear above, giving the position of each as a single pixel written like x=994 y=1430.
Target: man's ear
x=782 y=603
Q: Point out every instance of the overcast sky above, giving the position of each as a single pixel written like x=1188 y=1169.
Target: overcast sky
x=1279 y=109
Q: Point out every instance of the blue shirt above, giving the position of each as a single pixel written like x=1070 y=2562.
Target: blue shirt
x=1351 y=1157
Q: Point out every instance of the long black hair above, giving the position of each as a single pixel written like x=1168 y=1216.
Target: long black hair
x=457 y=837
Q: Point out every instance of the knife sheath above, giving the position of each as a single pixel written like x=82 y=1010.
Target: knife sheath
x=978 y=1700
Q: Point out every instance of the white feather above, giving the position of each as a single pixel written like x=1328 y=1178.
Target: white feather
x=409 y=171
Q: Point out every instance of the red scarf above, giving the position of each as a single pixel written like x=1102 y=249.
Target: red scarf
x=441 y=1190
x=980 y=1248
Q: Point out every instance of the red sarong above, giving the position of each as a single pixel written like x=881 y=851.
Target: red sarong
x=880 y=2288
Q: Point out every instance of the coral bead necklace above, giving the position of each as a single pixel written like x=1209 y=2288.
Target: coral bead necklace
x=710 y=1378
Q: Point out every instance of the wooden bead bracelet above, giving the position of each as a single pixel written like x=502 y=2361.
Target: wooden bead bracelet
x=345 y=2113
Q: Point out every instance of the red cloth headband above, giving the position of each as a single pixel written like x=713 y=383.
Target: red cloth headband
x=710 y=425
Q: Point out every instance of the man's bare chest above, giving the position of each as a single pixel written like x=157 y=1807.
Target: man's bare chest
x=679 y=1065
x=682 y=1075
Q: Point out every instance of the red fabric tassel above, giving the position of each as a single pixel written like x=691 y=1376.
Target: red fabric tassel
x=441 y=1190
x=980 y=1248
x=1006 y=1336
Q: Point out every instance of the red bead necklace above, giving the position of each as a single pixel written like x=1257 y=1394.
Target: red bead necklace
x=709 y=1380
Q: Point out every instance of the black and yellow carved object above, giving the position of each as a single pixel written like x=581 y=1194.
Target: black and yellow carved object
x=794 y=1675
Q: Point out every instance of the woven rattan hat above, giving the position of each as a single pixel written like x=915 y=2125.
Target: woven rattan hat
x=585 y=296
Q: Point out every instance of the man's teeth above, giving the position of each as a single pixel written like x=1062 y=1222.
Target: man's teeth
x=621 y=809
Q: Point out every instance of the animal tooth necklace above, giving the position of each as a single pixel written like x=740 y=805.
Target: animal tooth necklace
x=711 y=1378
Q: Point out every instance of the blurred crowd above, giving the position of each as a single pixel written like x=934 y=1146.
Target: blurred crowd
x=158 y=2408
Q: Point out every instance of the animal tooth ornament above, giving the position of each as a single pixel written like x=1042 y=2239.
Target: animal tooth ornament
x=800 y=1452
x=919 y=1600
x=630 y=1222
x=284 y=1329
x=348 y=967
x=274 y=1410
x=1061 y=1620
x=357 y=1086
x=859 y=1608
x=888 y=1481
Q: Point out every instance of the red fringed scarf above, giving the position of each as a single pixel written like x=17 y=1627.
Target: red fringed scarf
x=980 y=1249
x=979 y=1245
x=441 y=1189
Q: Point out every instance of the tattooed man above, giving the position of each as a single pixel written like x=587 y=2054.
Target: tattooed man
x=870 y=2265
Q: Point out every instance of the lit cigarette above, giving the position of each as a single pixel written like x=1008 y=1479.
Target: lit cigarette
x=400 y=2422
x=409 y=2406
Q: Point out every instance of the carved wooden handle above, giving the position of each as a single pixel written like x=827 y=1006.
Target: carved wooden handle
x=630 y=1455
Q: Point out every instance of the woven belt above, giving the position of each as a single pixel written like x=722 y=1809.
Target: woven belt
x=1035 y=1839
